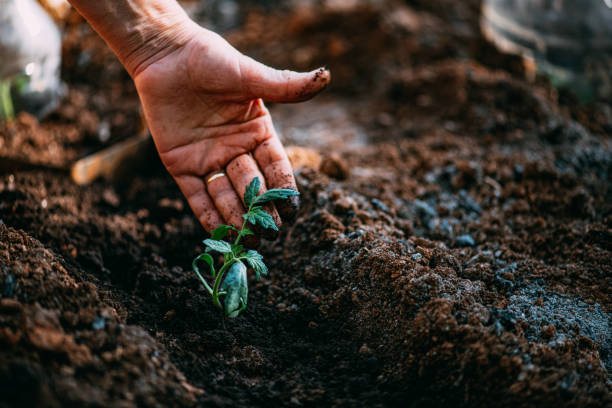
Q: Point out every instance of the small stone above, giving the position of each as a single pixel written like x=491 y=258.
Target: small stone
x=192 y=389
x=344 y=204
x=10 y=305
x=518 y=171
x=303 y=157
x=328 y=220
x=107 y=356
x=110 y=197
x=416 y=257
x=504 y=284
x=549 y=332
x=468 y=203
x=365 y=350
x=379 y=205
x=335 y=166
x=424 y=210
x=9 y=286
x=67 y=370
x=98 y=323
x=48 y=338
x=465 y=240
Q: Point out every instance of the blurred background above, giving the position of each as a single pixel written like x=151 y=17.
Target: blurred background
x=397 y=66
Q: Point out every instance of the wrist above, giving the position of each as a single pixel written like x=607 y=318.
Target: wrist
x=157 y=35
x=140 y=32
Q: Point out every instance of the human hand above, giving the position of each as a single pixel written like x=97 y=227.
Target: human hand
x=203 y=103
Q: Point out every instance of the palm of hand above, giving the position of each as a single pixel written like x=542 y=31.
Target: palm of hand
x=202 y=103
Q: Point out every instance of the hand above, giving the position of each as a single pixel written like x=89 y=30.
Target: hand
x=203 y=103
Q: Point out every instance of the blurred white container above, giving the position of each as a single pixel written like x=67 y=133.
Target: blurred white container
x=30 y=56
x=568 y=40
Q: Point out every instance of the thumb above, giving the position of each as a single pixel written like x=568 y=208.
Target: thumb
x=273 y=85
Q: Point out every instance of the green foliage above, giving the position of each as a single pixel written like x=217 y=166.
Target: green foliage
x=275 y=194
x=236 y=288
x=252 y=190
x=221 y=232
x=257 y=216
x=255 y=259
x=233 y=285
x=219 y=246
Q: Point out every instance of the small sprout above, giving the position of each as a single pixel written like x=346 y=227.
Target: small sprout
x=233 y=285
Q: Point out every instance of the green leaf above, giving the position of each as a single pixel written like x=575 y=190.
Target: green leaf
x=246 y=231
x=251 y=191
x=257 y=216
x=237 y=249
x=235 y=284
x=219 y=246
x=276 y=194
x=206 y=258
x=209 y=260
x=221 y=232
x=255 y=259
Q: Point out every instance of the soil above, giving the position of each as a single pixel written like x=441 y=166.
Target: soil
x=455 y=249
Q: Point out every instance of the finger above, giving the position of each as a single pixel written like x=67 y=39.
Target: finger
x=241 y=171
x=273 y=161
x=201 y=204
x=229 y=205
x=225 y=198
x=274 y=85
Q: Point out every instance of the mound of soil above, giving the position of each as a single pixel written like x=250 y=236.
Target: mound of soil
x=453 y=250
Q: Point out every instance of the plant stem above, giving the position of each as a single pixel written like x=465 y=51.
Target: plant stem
x=240 y=233
x=206 y=285
x=215 y=292
x=228 y=262
x=243 y=226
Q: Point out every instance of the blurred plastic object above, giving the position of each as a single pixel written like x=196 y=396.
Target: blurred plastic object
x=30 y=55
x=570 y=41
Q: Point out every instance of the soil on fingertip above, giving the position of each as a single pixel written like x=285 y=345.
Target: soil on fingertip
x=453 y=246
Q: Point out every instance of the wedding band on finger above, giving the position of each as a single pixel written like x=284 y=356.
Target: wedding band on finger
x=214 y=177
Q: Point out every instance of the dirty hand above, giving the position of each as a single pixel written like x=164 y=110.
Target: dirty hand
x=203 y=102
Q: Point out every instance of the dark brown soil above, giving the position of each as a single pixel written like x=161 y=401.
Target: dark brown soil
x=455 y=252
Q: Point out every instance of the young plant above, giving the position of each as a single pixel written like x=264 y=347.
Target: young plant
x=234 y=287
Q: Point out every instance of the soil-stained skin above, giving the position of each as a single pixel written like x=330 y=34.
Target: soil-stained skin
x=461 y=257
x=321 y=76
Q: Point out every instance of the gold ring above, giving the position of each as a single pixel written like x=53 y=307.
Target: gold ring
x=214 y=177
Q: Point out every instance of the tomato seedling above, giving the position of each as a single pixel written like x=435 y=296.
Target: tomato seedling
x=234 y=287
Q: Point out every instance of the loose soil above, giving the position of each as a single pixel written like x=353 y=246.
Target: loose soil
x=454 y=250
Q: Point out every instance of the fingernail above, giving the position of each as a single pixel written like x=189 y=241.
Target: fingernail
x=322 y=74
